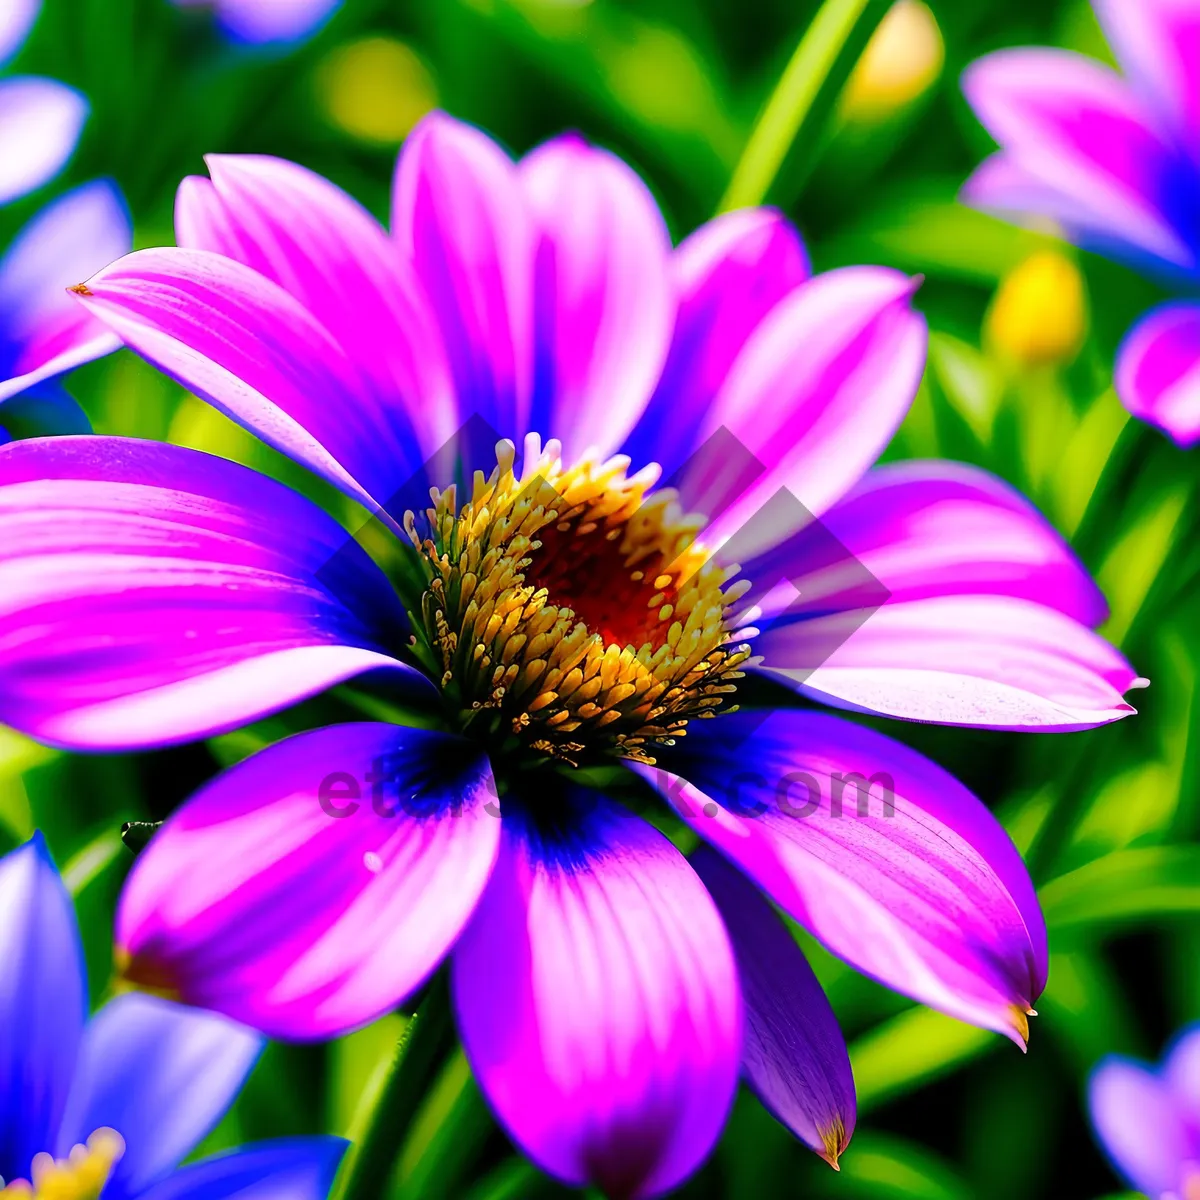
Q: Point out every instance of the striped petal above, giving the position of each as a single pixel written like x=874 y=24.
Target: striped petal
x=151 y=594
x=598 y=1001
x=909 y=878
x=388 y=833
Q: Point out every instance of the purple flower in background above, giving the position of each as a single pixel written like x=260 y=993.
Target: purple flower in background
x=40 y=119
x=1147 y=1119
x=555 y=611
x=133 y=1089
x=42 y=330
x=258 y=21
x=1115 y=161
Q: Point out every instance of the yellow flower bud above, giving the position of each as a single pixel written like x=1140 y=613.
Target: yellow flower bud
x=1038 y=315
x=375 y=89
x=902 y=60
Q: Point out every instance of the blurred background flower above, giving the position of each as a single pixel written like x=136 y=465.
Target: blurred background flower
x=1114 y=160
x=260 y=21
x=42 y=330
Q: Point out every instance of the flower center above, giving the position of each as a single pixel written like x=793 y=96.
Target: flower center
x=80 y=1176
x=568 y=613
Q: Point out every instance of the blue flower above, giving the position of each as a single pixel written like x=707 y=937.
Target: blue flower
x=108 y=1107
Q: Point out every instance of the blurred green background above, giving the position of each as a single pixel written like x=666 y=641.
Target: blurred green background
x=1023 y=333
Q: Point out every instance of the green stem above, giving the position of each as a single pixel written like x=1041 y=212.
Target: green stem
x=806 y=91
x=423 y=1048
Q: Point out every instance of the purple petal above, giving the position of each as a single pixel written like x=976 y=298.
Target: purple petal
x=151 y=594
x=1182 y=1073
x=387 y=833
x=284 y=1169
x=241 y=342
x=160 y=1074
x=1158 y=371
x=728 y=275
x=598 y=1001
x=815 y=396
x=603 y=305
x=40 y=122
x=1074 y=126
x=257 y=21
x=16 y=20
x=43 y=1002
x=43 y=330
x=324 y=249
x=914 y=883
x=925 y=529
x=793 y=1054
x=1141 y=1126
x=461 y=221
x=996 y=661
x=1158 y=45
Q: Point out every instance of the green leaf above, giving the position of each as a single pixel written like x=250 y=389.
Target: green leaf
x=1125 y=888
x=911 y=1049
x=818 y=69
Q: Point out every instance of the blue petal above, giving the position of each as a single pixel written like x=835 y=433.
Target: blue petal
x=42 y=1003
x=288 y=1169
x=161 y=1075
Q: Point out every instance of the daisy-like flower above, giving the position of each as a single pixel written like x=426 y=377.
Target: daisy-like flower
x=42 y=331
x=261 y=21
x=1114 y=160
x=1147 y=1119
x=575 y=634
x=109 y=1107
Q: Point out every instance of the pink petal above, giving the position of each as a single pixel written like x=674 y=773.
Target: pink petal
x=1158 y=371
x=67 y=241
x=728 y=275
x=40 y=122
x=927 y=529
x=241 y=342
x=1158 y=45
x=928 y=895
x=1075 y=126
x=793 y=1054
x=598 y=1001
x=324 y=249
x=462 y=224
x=814 y=397
x=152 y=594
x=996 y=661
x=312 y=887
x=1141 y=1126
x=603 y=303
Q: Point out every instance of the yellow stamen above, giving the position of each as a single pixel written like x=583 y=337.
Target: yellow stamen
x=575 y=612
x=833 y=1142
x=80 y=1176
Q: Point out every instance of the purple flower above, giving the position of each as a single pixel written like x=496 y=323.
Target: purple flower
x=1115 y=161
x=561 y=626
x=258 y=21
x=1148 y=1119
x=42 y=331
x=133 y=1089
x=40 y=119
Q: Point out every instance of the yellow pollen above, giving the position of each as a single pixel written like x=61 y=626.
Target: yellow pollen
x=80 y=1176
x=569 y=612
x=833 y=1142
